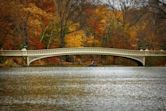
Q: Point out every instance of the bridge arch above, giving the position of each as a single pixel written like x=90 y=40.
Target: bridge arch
x=139 y=60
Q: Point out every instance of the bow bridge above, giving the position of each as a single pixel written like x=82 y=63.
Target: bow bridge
x=33 y=55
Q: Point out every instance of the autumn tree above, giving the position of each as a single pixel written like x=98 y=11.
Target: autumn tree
x=157 y=14
x=67 y=10
x=94 y=23
x=123 y=21
x=24 y=23
x=152 y=30
x=9 y=18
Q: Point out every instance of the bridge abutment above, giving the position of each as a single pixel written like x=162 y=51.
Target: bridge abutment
x=144 y=61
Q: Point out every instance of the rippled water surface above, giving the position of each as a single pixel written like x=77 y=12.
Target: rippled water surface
x=83 y=89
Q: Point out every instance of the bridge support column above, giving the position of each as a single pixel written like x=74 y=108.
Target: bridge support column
x=144 y=61
x=28 y=61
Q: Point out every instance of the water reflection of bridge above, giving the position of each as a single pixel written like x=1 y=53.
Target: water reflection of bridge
x=33 y=55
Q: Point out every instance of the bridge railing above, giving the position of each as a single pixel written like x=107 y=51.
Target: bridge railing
x=84 y=50
x=12 y=53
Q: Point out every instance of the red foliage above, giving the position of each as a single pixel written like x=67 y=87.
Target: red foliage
x=11 y=43
x=8 y=43
x=35 y=43
x=53 y=60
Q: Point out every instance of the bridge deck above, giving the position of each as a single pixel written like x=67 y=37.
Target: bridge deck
x=84 y=50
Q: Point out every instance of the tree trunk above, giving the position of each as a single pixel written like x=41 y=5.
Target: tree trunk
x=62 y=37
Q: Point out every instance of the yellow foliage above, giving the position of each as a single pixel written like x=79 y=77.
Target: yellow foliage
x=91 y=41
x=133 y=36
x=132 y=32
x=75 y=39
x=73 y=27
x=37 y=12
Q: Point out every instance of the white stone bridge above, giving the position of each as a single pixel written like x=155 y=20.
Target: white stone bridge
x=33 y=55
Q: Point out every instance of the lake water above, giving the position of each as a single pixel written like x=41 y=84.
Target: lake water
x=83 y=89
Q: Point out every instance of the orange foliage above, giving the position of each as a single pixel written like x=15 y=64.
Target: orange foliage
x=98 y=19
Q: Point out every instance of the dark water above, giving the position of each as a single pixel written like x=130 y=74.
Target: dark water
x=83 y=89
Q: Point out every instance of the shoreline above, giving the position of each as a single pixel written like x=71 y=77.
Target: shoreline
x=83 y=71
